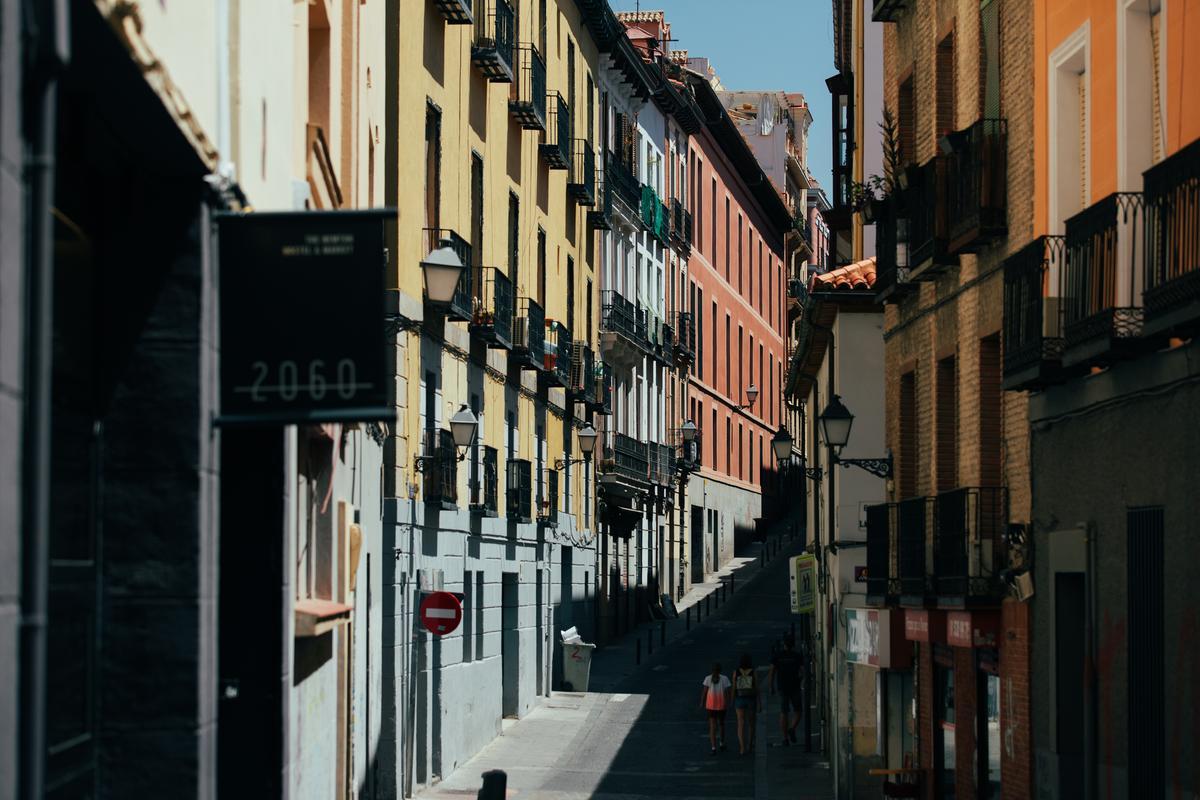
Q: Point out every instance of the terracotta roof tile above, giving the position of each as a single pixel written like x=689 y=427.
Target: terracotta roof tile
x=859 y=276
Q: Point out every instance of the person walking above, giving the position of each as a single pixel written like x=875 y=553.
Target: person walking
x=746 y=703
x=715 y=697
x=785 y=673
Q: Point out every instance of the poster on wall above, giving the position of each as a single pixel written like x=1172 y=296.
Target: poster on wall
x=803 y=579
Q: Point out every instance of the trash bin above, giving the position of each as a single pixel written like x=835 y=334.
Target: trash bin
x=577 y=661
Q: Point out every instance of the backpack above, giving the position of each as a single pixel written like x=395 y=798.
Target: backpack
x=744 y=683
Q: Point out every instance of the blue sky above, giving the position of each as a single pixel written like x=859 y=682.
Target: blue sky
x=766 y=44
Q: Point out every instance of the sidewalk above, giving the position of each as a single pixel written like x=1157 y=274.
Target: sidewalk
x=617 y=661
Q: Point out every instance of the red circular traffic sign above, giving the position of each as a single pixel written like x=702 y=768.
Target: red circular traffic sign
x=441 y=613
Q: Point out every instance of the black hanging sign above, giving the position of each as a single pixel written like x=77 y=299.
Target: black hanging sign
x=302 y=317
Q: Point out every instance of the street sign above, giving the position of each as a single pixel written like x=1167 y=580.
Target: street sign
x=803 y=575
x=441 y=612
x=302 y=328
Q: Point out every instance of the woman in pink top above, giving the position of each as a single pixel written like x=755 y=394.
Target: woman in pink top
x=715 y=697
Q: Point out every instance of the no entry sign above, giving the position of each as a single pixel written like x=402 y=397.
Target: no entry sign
x=441 y=613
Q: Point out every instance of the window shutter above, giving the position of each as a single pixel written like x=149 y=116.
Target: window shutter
x=991 y=394
x=947 y=424
x=945 y=85
x=1156 y=71
x=1083 y=167
x=989 y=43
x=907 y=123
x=908 y=435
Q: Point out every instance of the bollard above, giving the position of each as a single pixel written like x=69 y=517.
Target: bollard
x=650 y=641
x=707 y=605
x=495 y=785
x=662 y=633
x=689 y=618
x=637 y=658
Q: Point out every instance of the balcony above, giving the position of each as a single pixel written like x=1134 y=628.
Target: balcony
x=581 y=185
x=624 y=460
x=925 y=202
x=892 y=281
x=977 y=186
x=887 y=10
x=439 y=470
x=460 y=307
x=456 y=12
x=1033 y=335
x=916 y=517
x=583 y=373
x=519 y=490
x=485 y=488
x=492 y=320
x=556 y=362
x=1172 y=192
x=969 y=548
x=622 y=329
x=652 y=216
x=883 y=567
x=662 y=464
x=600 y=217
x=1103 y=292
x=556 y=150
x=681 y=227
x=527 y=98
x=601 y=400
x=663 y=234
x=626 y=188
x=685 y=339
x=495 y=33
x=529 y=335
x=666 y=343
x=548 y=502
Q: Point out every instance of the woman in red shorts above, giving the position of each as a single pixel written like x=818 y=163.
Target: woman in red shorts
x=715 y=697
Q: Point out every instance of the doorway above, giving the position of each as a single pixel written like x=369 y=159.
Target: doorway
x=697 y=536
x=539 y=626
x=510 y=641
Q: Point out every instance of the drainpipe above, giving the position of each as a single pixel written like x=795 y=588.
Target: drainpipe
x=46 y=46
x=1091 y=688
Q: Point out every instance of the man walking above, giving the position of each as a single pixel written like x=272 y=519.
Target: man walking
x=785 y=673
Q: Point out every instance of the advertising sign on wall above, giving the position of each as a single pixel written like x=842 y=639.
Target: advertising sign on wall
x=302 y=317
x=803 y=574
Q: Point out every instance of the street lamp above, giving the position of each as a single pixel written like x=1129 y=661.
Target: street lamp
x=781 y=445
x=836 y=421
x=751 y=397
x=587 y=437
x=463 y=427
x=443 y=270
x=688 y=432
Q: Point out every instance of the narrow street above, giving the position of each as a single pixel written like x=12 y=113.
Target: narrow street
x=643 y=734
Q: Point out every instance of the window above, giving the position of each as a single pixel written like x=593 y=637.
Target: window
x=760 y=277
x=741 y=461
x=728 y=263
x=713 y=382
x=1068 y=128
x=541 y=31
x=945 y=85
x=698 y=306
x=713 y=250
x=740 y=253
x=741 y=359
x=477 y=208
x=1139 y=90
x=909 y=469
x=728 y=347
x=433 y=165
x=947 y=424
x=990 y=58
x=728 y=445
x=571 y=82
x=907 y=121
x=714 y=436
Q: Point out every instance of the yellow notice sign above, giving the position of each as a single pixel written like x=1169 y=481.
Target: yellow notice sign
x=803 y=574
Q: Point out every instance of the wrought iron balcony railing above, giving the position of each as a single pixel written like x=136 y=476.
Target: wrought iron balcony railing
x=460 y=307
x=600 y=217
x=529 y=335
x=492 y=320
x=977 y=186
x=969 y=548
x=916 y=517
x=928 y=231
x=556 y=149
x=519 y=490
x=625 y=457
x=1103 y=291
x=583 y=372
x=601 y=399
x=527 y=98
x=681 y=226
x=556 y=362
x=662 y=462
x=685 y=339
x=548 y=502
x=626 y=188
x=891 y=248
x=1172 y=192
x=581 y=185
x=883 y=565
x=666 y=340
x=486 y=488
x=439 y=469
x=495 y=35
x=618 y=315
x=456 y=12
x=1033 y=335
x=663 y=234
